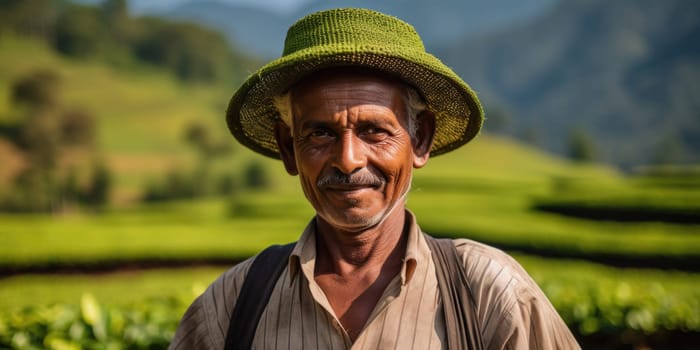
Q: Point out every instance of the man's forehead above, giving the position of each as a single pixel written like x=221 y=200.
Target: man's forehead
x=346 y=74
x=348 y=92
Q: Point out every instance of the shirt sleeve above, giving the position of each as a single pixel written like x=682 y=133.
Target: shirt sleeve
x=513 y=311
x=205 y=322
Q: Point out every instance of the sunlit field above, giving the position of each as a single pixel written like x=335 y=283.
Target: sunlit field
x=618 y=253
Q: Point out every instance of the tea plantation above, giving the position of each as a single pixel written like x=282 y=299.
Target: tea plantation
x=617 y=254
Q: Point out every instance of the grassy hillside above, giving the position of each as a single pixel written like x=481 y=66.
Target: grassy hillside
x=611 y=84
x=142 y=112
x=485 y=190
x=488 y=191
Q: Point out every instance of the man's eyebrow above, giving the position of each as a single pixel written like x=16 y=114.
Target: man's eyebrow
x=315 y=124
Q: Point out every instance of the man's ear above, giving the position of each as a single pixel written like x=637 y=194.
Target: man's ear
x=285 y=143
x=423 y=140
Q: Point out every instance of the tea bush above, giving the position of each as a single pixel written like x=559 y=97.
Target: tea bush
x=592 y=300
x=146 y=325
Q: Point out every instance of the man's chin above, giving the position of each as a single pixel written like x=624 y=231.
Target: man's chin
x=352 y=222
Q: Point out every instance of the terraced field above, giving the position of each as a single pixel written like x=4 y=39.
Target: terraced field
x=123 y=276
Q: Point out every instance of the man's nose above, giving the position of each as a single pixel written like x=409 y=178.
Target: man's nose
x=349 y=154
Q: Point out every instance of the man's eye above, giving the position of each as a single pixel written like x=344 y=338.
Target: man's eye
x=374 y=131
x=320 y=133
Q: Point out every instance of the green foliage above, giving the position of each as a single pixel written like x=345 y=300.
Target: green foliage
x=191 y=52
x=613 y=307
x=79 y=32
x=29 y=17
x=36 y=89
x=592 y=299
x=596 y=299
x=148 y=325
x=177 y=185
x=199 y=181
x=665 y=196
x=668 y=176
x=256 y=176
x=207 y=146
x=581 y=147
x=503 y=216
x=117 y=18
x=97 y=192
x=645 y=206
x=50 y=136
x=484 y=191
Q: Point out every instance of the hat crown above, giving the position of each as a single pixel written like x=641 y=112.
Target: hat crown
x=351 y=27
x=361 y=38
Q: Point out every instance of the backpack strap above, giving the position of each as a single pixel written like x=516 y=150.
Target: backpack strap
x=459 y=306
x=254 y=295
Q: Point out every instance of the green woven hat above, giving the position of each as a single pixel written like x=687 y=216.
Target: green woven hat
x=354 y=37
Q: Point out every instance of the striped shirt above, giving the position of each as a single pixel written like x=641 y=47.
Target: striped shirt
x=512 y=310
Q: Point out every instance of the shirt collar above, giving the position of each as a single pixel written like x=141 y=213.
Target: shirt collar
x=303 y=256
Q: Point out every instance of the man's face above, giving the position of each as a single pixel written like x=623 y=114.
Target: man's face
x=351 y=147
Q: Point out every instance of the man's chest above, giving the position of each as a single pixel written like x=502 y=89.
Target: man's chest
x=299 y=315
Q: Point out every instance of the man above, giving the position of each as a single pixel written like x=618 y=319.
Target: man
x=353 y=105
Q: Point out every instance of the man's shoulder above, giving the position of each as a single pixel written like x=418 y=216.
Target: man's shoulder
x=231 y=281
x=235 y=272
x=206 y=320
x=492 y=272
x=473 y=252
x=220 y=296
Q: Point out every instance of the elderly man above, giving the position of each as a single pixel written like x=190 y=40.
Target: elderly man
x=353 y=105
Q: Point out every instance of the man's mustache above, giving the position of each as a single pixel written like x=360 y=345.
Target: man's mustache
x=362 y=178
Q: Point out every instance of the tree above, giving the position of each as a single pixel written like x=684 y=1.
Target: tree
x=255 y=176
x=29 y=17
x=79 y=32
x=77 y=128
x=194 y=53
x=498 y=120
x=208 y=148
x=581 y=147
x=116 y=15
x=45 y=131
x=119 y=26
x=97 y=192
x=37 y=89
x=199 y=136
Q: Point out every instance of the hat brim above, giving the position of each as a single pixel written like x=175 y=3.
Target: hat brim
x=251 y=114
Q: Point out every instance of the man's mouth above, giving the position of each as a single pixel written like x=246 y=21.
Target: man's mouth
x=349 y=187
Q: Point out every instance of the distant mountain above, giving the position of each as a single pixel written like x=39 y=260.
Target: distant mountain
x=442 y=22
x=625 y=72
x=439 y=21
x=250 y=29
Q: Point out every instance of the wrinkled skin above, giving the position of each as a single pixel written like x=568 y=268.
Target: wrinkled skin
x=352 y=150
x=350 y=129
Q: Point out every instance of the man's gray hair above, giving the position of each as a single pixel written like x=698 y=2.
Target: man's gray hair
x=413 y=101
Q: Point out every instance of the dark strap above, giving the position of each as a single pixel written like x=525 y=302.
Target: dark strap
x=459 y=306
x=254 y=294
x=458 y=303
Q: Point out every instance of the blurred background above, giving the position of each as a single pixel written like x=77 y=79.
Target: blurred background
x=122 y=195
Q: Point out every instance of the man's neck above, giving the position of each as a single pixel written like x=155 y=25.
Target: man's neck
x=341 y=252
x=354 y=268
